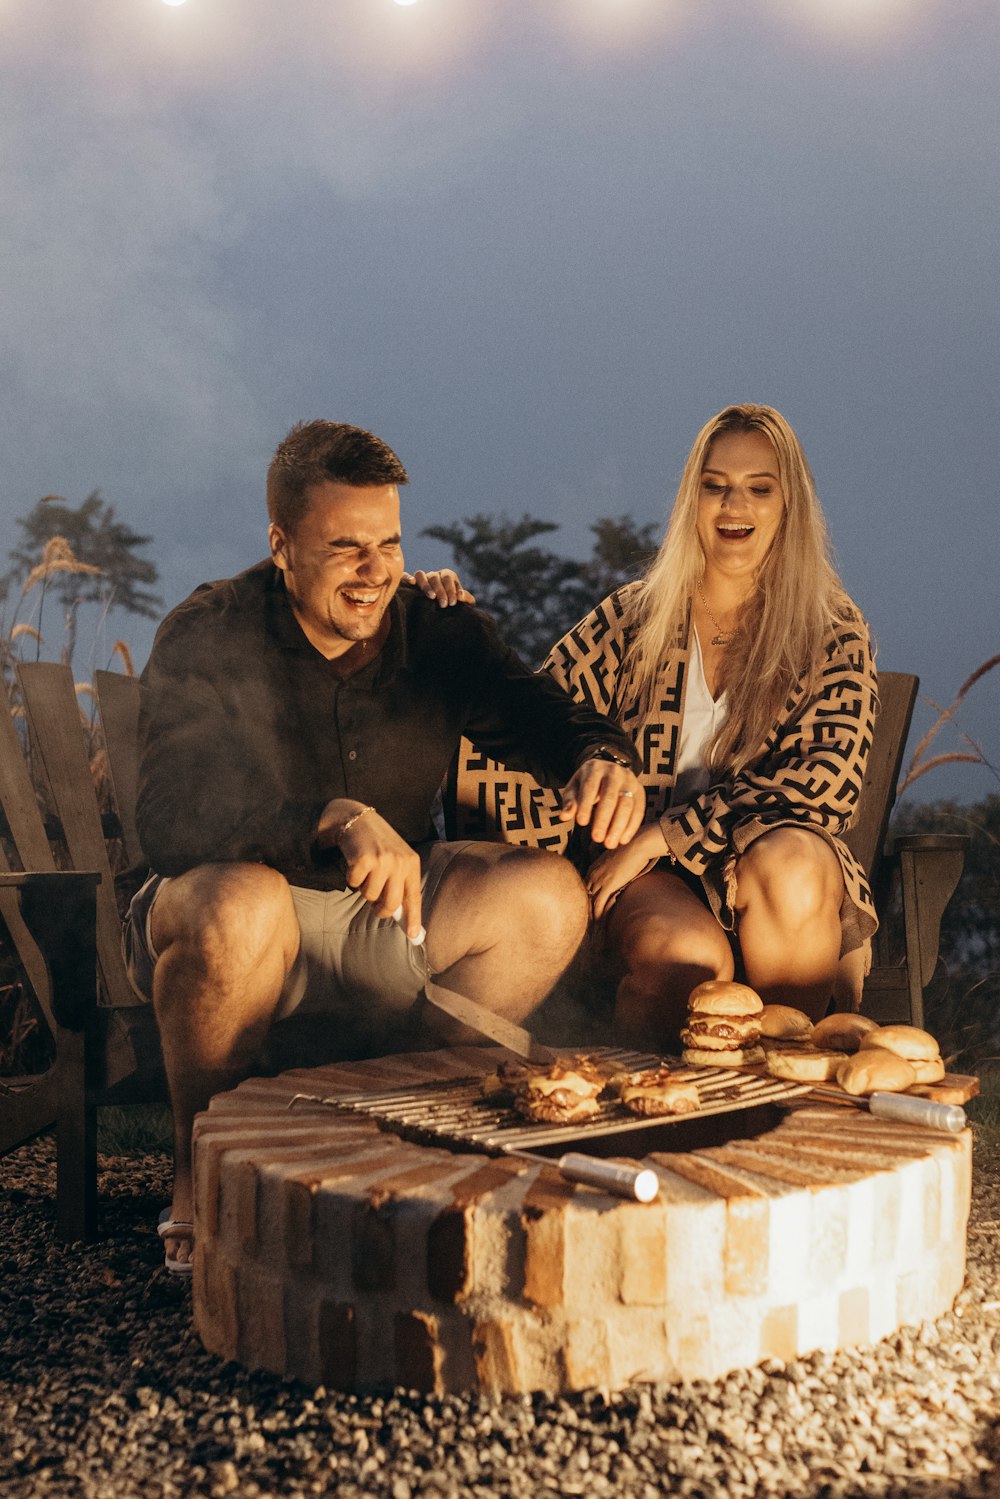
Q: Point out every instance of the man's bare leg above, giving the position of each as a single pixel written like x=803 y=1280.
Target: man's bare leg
x=226 y=936
x=504 y=925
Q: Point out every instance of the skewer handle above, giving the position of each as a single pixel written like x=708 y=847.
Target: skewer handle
x=909 y=1109
x=638 y=1183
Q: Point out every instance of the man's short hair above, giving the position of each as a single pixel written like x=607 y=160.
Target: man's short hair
x=314 y=452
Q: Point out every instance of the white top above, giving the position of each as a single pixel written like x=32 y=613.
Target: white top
x=702 y=720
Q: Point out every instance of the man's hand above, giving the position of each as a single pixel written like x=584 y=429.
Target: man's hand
x=609 y=874
x=607 y=798
x=442 y=585
x=380 y=864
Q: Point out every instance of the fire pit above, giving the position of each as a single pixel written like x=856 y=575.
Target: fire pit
x=334 y=1251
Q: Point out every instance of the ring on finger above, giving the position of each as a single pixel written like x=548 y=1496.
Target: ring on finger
x=626 y=795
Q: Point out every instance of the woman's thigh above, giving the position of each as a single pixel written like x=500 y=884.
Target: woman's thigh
x=659 y=918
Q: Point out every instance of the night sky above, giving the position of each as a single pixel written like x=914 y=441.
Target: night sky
x=533 y=244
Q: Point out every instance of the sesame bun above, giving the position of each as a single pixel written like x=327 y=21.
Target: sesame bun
x=747 y=1056
x=723 y=997
x=906 y=1041
x=842 y=1032
x=875 y=1071
x=805 y=1066
x=782 y=1023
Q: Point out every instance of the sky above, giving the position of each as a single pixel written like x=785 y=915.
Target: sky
x=533 y=244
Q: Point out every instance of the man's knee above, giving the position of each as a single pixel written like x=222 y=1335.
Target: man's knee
x=236 y=914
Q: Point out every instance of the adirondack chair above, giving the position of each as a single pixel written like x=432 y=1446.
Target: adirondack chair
x=66 y=928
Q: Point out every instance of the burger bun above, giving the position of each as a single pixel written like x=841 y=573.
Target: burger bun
x=782 y=1023
x=875 y=1071
x=724 y=997
x=842 y=1032
x=906 y=1041
x=804 y=1066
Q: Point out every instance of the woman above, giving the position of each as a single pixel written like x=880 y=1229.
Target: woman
x=744 y=673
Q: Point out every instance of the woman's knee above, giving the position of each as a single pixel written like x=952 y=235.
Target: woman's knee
x=651 y=942
x=793 y=873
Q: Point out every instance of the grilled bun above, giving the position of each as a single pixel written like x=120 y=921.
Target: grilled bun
x=743 y=1056
x=724 y=997
x=782 y=1023
x=842 y=1032
x=805 y=1065
x=874 y=1070
x=906 y=1041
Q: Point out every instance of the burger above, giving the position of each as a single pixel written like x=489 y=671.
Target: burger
x=723 y=1026
x=655 y=1092
x=561 y=1094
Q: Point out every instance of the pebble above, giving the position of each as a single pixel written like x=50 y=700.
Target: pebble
x=105 y=1391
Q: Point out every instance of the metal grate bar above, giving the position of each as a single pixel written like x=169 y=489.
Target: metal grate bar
x=454 y=1111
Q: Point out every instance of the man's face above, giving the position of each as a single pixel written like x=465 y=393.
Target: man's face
x=342 y=563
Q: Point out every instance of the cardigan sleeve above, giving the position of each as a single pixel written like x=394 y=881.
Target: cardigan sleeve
x=810 y=771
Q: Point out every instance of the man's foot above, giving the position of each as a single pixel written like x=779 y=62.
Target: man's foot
x=178 y=1243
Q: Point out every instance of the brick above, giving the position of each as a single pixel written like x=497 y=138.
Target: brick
x=216 y=1317
x=260 y=1301
x=584 y=1355
x=418 y=1352
x=497 y=1357
x=854 y=1319
x=449 y=1254
x=642 y=1254
x=545 y=1254
x=828 y=1214
x=338 y=1345
x=779 y=1333
x=747 y=1252
x=373 y=1248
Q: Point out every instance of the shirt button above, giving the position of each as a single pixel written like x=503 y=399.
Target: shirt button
x=352 y=754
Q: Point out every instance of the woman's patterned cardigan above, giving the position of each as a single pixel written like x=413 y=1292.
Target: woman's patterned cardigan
x=808 y=772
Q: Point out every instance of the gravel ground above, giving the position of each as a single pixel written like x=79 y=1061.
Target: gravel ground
x=105 y=1392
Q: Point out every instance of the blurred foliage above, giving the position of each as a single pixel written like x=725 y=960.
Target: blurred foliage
x=534 y=594
x=963 y=999
x=79 y=554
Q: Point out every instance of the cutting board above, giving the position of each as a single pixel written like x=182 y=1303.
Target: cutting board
x=954 y=1087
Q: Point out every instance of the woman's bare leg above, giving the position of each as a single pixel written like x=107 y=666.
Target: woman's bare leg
x=668 y=942
x=789 y=892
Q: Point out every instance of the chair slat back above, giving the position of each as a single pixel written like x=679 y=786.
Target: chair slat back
x=118 y=699
x=57 y=737
x=17 y=796
x=866 y=839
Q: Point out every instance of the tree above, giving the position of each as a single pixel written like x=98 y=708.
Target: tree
x=83 y=554
x=534 y=594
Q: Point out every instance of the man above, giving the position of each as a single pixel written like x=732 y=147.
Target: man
x=295 y=724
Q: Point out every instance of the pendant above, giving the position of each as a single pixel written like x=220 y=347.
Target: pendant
x=722 y=639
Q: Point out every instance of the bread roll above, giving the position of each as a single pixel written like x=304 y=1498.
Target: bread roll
x=723 y=997
x=842 y=1032
x=782 y=1023
x=875 y=1071
x=804 y=1066
x=747 y=1056
x=907 y=1041
x=928 y=1072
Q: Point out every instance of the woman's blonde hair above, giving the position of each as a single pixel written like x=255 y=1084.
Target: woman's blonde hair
x=786 y=618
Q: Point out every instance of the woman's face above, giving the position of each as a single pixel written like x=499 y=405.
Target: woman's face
x=740 y=503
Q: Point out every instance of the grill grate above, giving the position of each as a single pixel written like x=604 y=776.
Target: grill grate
x=453 y=1111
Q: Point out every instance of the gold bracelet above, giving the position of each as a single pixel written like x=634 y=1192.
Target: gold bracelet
x=354 y=817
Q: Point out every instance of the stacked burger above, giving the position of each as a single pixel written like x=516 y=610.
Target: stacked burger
x=723 y=1026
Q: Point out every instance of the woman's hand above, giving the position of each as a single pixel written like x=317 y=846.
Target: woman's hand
x=609 y=874
x=442 y=585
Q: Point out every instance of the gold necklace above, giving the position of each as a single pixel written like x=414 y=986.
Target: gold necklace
x=721 y=637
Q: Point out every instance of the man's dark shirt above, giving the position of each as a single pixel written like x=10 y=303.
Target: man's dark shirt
x=247 y=731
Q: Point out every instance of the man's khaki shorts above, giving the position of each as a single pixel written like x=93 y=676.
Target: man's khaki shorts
x=351 y=964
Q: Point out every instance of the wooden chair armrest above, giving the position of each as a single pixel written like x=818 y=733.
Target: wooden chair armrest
x=917 y=842
x=59 y=909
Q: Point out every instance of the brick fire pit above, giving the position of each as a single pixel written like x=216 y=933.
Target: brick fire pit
x=332 y=1252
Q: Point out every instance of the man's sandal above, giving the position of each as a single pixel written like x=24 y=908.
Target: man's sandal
x=173 y=1228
